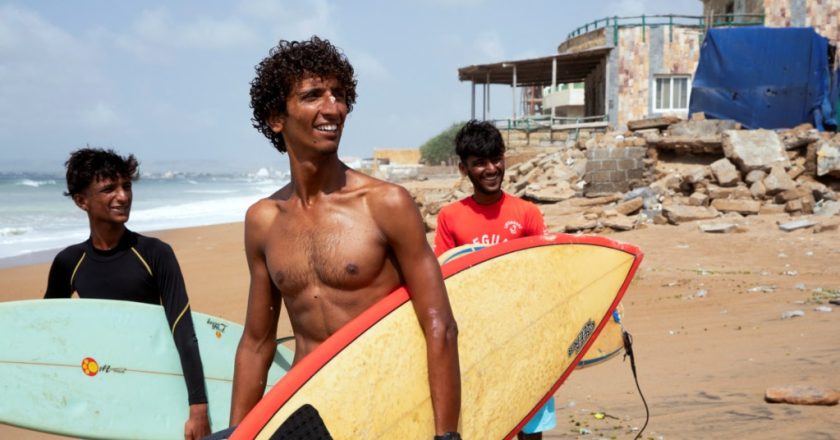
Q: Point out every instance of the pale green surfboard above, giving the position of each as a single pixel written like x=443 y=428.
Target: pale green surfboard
x=109 y=369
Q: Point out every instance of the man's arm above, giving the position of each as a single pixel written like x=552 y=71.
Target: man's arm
x=59 y=284
x=405 y=235
x=176 y=306
x=258 y=344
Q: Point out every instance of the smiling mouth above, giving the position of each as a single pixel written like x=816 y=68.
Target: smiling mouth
x=328 y=128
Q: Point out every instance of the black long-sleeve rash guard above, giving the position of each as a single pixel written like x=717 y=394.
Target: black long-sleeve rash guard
x=140 y=269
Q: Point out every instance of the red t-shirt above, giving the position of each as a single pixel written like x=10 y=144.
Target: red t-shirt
x=467 y=222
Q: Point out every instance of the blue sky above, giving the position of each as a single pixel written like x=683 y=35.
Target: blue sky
x=169 y=81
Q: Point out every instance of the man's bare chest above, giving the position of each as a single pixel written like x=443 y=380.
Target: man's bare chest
x=334 y=250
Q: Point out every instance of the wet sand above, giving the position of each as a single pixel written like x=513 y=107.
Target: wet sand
x=704 y=360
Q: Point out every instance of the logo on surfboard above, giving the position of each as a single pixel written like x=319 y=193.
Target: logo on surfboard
x=90 y=366
x=219 y=327
x=582 y=337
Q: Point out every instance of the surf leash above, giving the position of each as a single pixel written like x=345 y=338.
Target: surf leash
x=628 y=352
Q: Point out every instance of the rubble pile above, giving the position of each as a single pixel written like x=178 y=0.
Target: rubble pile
x=739 y=173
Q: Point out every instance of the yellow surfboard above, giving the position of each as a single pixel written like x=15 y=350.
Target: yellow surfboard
x=527 y=311
x=607 y=345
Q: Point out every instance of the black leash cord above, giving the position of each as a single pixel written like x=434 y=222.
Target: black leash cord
x=628 y=351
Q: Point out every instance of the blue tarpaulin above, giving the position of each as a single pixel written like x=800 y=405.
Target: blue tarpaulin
x=765 y=78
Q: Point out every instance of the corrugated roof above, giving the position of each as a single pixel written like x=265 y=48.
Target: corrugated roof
x=571 y=67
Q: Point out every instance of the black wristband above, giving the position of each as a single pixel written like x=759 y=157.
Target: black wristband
x=448 y=436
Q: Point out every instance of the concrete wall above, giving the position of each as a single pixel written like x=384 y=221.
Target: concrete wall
x=660 y=51
x=822 y=15
x=718 y=7
x=614 y=169
x=589 y=40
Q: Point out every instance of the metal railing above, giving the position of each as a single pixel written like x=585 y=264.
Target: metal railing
x=536 y=122
x=671 y=20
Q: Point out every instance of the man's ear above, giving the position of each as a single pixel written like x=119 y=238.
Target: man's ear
x=462 y=168
x=80 y=201
x=276 y=122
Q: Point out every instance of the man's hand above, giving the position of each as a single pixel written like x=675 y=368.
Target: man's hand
x=198 y=425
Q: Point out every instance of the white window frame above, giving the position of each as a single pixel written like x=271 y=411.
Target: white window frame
x=655 y=93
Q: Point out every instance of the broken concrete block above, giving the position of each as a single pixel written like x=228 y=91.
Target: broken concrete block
x=725 y=173
x=630 y=206
x=701 y=128
x=757 y=190
x=793 y=206
x=795 y=171
x=828 y=158
x=802 y=395
x=755 y=176
x=754 y=149
x=698 y=199
x=771 y=208
x=682 y=213
x=718 y=228
x=741 y=206
x=619 y=223
x=778 y=181
x=552 y=194
x=642 y=124
x=797 y=224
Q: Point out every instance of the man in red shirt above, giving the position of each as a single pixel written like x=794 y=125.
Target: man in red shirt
x=490 y=216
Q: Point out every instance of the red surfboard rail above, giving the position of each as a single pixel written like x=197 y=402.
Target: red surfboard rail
x=300 y=373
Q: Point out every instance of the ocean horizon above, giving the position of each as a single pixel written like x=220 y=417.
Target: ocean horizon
x=37 y=220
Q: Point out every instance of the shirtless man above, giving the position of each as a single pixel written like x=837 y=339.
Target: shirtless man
x=333 y=241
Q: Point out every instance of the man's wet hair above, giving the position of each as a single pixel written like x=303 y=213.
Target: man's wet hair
x=87 y=165
x=287 y=64
x=480 y=139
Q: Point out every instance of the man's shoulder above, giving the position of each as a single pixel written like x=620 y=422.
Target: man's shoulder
x=151 y=244
x=518 y=201
x=72 y=252
x=457 y=205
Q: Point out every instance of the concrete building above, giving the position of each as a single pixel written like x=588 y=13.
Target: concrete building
x=631 y=67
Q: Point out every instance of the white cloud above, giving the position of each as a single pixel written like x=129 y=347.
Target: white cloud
x=294 y=20
x=100 y=116
x=489 y=47
x=46 y=73
x=156 y=33
x=368 y=66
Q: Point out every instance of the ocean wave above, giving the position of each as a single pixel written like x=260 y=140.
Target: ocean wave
x=34 y=183
x=11 y=231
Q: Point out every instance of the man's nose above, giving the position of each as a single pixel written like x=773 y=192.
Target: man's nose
x=123 y=195
x=331 y=105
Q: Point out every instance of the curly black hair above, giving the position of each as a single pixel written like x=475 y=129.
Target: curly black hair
x=86 y=165
x=480 y=139
x=288 y=63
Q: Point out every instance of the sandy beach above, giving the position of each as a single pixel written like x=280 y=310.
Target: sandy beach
x=705 y=311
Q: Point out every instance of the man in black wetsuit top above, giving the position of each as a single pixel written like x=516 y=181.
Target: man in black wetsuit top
x=118 y=264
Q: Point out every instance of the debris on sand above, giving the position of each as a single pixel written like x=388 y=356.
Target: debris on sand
x=802 y=395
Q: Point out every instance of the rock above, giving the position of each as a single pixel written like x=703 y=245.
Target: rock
x=682 y=213
x=802 y=395
x=741 y=206
x=755 y=176
x=580 y=224
x=701 y=128
x=822 y=309
x=725 y=173
x=698 y=199
x=828 y=225
x=793 y=314
x=828 y=159
x=642 y=124
x=718 y=228
x=797 y=224
x=630 y=206
x=757 y=190
x=794 y=206
x=771 y=208
x=551 y=194
x=754 y=149
x=778 y=181
x=619 y=223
